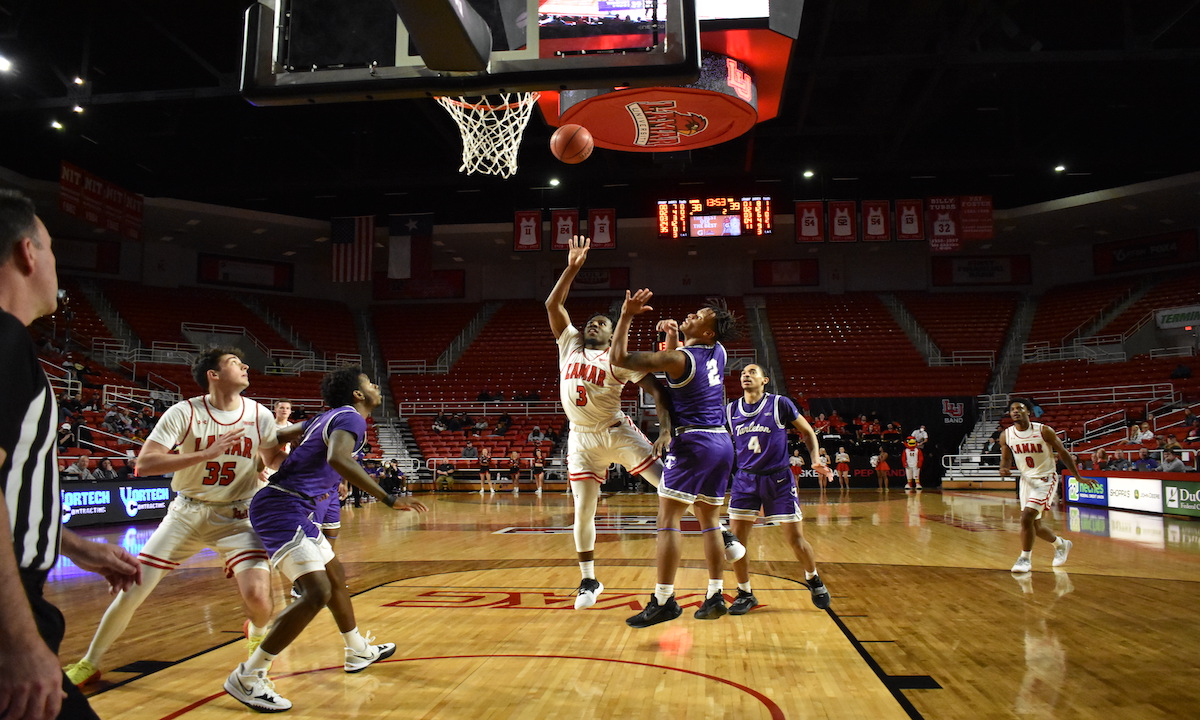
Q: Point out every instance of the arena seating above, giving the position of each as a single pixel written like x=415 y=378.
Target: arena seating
x=1177 y=289
x=1140 y=370
x=327 y=324
x=449 y=443
x=419 y=332
x=1067 y=308
x=964 y=322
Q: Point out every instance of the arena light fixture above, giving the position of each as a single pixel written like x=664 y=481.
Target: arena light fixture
x=808 y=173
x=56 y=125
x=1060 y=168
x=5 y=64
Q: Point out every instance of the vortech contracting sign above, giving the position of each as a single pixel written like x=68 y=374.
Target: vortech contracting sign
x=111 y=502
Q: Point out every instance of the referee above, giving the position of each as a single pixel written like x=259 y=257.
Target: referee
x=32 y=685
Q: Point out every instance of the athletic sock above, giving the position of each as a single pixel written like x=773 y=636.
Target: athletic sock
x=810 y=575
x=1058 y=541
x=1026 y=554
x=588 y=569
x=354 y=641
x=663 y=593
x=255 y=631
x=715 y=586
x=259 y=660
x=745 y=587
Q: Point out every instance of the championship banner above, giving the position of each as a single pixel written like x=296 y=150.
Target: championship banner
x=910 y=220
x=981 y=270
x=877 y=220
x=99 y=202
x=975 y=217
x=944 y=233
x=843 y=221
x=786 y=273
x=527 y=230
x=1165 y=250
x=563 y=224
x=602 y=227
x=810 y=221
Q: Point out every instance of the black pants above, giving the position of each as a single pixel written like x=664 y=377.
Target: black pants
x=51 y=626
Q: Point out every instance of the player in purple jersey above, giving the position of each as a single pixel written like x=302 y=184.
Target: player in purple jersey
x=759 y=423
x=283 y=514
x=700 y=457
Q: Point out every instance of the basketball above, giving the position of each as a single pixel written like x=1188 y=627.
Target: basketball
x=571 y=144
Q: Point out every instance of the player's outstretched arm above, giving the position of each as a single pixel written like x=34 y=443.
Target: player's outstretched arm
x=1051 y=438
x=662 y=406
x=673 y=362
x=556 y=307
x=810 y=441
x=340 y=457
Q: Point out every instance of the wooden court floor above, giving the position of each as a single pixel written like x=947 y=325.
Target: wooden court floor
x=926 y=622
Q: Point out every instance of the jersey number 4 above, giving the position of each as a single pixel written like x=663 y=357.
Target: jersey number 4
x=220 y=473
x=754 y=445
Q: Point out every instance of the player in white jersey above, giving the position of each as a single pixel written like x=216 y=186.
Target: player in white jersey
x=1032 y=447
x=601 y=434
x=212 y=444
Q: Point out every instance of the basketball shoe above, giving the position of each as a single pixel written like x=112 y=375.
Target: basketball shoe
x=743 y=603
x=654 y=613
x=589 y=590
x=357 y=662
x=81 y=673
x=255 y=690
x=820 y=596
x=734 y=549
x=713 y=607
x=1061 y=553
x=1023 y=565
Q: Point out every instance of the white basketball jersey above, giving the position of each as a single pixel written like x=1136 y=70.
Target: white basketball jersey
x=1032 y=455
x=195 y=424
x=589 y=385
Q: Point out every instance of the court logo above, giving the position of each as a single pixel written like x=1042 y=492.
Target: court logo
x=659 y=124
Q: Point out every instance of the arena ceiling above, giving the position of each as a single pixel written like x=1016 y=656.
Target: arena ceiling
x=884 y=98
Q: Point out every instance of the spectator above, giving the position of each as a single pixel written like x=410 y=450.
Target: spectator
x=503 y=423
x=128 y=469
x=445 y=476
x=66 y=438
x=1172 y=463
x=439 y=423
x=1135 y=434
x=469 y=450
x=991 y=450
x=78 y=470
x=480 y=425
x=105 y=471
x=1170 y=442
x=1144 y=462
x=891 y=432
x=922 y=437
x=484 y=396
x=535 y=435
x=1190 y=420
x=1145 y=434
x=1181 y=372
x=1100 y=460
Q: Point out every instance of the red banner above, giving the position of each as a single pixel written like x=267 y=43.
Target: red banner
x=527 y=230
x=944 y=233
x=910 y=220
x=99 y=202
x=1154 y=251
x=602 y=227
x=786 y=273
x=563 y=224
x=876 y=220
x=977 y=270
x=843 y=221
x=810 y=221
x=975 y=217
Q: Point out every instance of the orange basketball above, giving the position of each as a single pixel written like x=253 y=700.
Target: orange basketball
x=571 y=144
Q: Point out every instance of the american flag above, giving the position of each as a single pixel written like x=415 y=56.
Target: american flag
x=353 y=242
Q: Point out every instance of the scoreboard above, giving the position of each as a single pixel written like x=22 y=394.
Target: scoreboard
x=715 y=217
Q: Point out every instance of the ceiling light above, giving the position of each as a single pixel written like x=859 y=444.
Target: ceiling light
x=1060 y=168
x=77 y=109
x=167 y=238
x=1167 y=221
x=193 y=222
x=56 y=125
x=378 y=244
x=457 y=258
x=289 y=253
x=78 y=80
x=230 y=246
x=1101 y=232
x=553 y=182
x=5 y=64
x=808 y=173
x=610 y=185
x=259 y=231
x=439 y=243
x=320 y=239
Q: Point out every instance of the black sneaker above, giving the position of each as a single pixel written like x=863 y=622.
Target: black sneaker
x=820 y=596
x=743 y=603
x=654 y=613
x=713 y=607
x=734 y=549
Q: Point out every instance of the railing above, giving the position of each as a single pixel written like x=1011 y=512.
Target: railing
x=555 y=464
x=740 y=358
x=1124 y=393
x=1104 y=424
x=512 y=407
x=153 y=379
x=102 y=345
x=972 y=466
x=1082 y=349
x=225 y=330
x=105 y=452
x=415 y=367
x=139 y=396
x=965 y=357
x=1182 y=351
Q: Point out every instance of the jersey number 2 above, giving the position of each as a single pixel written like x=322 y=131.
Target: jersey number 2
x=220 y=473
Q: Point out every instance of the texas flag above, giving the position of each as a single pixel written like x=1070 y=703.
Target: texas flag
x=402 y=230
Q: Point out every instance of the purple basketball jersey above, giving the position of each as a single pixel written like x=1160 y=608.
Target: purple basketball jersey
x=760 y=432
x=699 y=396
x=306 y=469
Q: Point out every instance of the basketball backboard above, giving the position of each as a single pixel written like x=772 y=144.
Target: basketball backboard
x=308 y=51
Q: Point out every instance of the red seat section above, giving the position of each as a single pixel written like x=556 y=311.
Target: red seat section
x=1064 y=311
x=449 y=443
x=1176 y=290
x=1140 y=370
x=414 y=333
x=850 y=346
x=964 y=322
x=327 y=324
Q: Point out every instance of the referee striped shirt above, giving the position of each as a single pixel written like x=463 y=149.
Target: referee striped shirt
x=29 y=475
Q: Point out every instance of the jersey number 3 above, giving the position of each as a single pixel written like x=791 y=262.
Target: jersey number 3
x=580 y=395
x=220 y=473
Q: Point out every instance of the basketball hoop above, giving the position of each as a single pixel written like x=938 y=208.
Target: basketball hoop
x=491 y=132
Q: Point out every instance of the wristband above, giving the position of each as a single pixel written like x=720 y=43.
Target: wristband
x=391 y=499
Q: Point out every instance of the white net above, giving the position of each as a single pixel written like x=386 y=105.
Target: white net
x=491 y=130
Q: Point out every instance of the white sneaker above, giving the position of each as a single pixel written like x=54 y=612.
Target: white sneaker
x=357 y=662
x=1061 y=553
x=255 y=690
x=589 y=590
x=480 y=491
x=734 y=549
x=1023 y=565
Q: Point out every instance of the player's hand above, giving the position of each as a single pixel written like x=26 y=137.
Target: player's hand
x=662 y=445
x=667 y=326
x=580 y=244
x=30 y=682
x=635 y=304
x=113 y=562
x=224 y=443
x=1004 y=472
x=405 y=505
x=822 y=469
